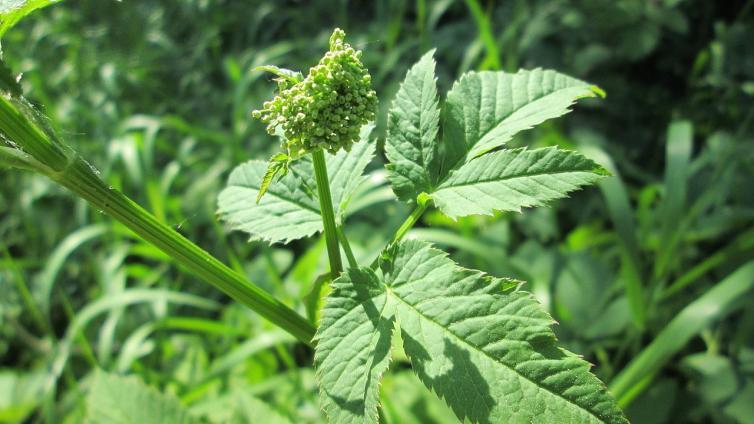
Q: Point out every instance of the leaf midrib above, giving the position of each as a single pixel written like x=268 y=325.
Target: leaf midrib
x=535 y=174
x=463 y=159
x=495 y=360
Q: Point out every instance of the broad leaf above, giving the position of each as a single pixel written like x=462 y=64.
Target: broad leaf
x=508 y=180
x=353 y=347
x=485 y=349
x=114 y=399
x=490 y=354
x=289 y=209
x=413 y=122
x=486 y=109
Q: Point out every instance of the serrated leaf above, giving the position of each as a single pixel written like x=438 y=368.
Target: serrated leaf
x=508 y=180
x=486 y=109
x=413 y=122
x=286 y=212
x=353 y=347
x=290 y=208
x=491 y=355
x=115 y=399
x=487 y=351
x=277 y=166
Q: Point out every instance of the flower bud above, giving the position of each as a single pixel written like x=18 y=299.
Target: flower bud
x=328 y=107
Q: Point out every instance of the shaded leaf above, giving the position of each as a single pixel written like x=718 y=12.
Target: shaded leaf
x=290 y=208
x=487 y=351
x=353 y=347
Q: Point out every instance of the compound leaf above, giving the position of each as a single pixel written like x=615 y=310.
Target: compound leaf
x=507 y=180
x=413 y=122
x=486 y=109
x=114 y=399
x=289 y=209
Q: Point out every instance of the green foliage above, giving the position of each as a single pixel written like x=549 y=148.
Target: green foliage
x=19 y=395
x=485 y=349
x=290 y=210
x=120 y=400
x=508 y=180
x=413 y=123
x=465 y=173
x=161 y=109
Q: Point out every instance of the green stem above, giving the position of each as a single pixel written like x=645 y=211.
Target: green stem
x=352 y=263
x=328 y=216
x=79 y=177
x=409 y=223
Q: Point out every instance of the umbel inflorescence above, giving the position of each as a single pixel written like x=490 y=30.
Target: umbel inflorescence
x=326 y=109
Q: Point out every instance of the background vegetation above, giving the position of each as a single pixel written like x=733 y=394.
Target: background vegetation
x=158 y=96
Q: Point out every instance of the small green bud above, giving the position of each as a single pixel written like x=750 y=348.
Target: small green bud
x=328 y=107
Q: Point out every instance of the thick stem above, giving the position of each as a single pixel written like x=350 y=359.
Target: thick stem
x=82 y=181
x=328 y=215
x=76 y=175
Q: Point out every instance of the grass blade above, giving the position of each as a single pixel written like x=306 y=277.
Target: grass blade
x=713 y=305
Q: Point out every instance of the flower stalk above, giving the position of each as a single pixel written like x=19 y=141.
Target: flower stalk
x=328 y=214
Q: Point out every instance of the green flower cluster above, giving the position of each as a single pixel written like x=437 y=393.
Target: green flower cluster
x=326 y=109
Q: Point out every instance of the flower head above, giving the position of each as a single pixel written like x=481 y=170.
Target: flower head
x=326 y=109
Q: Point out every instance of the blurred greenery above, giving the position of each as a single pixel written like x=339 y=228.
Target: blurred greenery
x=158 y=96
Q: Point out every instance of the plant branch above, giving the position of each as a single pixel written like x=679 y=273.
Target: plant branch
x=78 y=176
x=328 y=216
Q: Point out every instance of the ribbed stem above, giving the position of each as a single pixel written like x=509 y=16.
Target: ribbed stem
x=328 y=215
x=76 y=175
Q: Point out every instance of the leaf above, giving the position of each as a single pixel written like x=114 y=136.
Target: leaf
x=486 y=109
x=413 y=122
x=508 y=180
x=487 y=351
x=283 y=73
x=114 y=399
x=287 y=211
x=277 y=166
x=353 y=347
x=11 y=11
x=490 y=355
x=290 y=208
